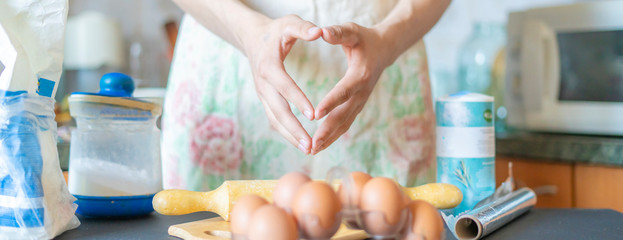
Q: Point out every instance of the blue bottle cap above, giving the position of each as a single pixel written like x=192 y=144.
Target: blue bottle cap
x=116 y=85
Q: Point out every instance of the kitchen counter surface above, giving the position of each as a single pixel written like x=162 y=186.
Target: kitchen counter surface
x=536 y=224
x=600 y=150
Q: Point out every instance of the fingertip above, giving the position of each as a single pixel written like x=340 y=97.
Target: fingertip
x=317 y=145
x=305 y=143
x=328 y=34
x=309 y=114
x=303 y=149
x=314 y=31
x=328 y=31
x=339 y=34
x=320 y=113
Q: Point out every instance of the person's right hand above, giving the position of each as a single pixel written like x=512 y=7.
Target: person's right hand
x=267 y=47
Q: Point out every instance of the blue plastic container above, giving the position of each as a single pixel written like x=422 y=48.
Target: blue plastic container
x=114 y=207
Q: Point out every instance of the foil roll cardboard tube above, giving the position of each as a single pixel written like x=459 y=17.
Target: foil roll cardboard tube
x=481 y=221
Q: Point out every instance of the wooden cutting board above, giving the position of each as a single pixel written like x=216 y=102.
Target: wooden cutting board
x=217 y=229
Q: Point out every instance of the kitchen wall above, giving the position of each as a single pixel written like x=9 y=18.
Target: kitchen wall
x=143 y=20
x=142 y=23
x=444 y=40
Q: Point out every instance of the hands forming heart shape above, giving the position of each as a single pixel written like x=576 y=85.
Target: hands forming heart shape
x=367 y=57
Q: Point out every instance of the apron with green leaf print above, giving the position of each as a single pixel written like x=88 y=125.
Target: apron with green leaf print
x=215 y=128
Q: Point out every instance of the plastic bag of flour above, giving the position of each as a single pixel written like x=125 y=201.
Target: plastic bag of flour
x=34 y=201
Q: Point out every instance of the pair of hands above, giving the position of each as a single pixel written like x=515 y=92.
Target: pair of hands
x=268 y=46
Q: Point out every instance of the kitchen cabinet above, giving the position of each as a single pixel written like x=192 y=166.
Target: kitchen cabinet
x=565 y=184
x=542 y=177
x=598 y=187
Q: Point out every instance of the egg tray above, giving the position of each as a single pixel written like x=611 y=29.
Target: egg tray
x=381 y=209
x=375 y=223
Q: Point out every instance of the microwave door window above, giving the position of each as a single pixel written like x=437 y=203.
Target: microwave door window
x=591 y=66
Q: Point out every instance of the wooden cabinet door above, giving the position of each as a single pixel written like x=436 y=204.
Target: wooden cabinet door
x=535 y=174
x=598 y=187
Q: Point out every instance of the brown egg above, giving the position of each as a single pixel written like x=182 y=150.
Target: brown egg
x=383 y=207
x=426 y=222
x=272 y=222
x=316 y=208
x=242 y=212
x=286 y=188
x=351 y=196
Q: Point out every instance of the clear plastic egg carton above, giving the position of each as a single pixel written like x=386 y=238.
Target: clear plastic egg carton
x=377 y=206
x=372 y=219
x=313 y=230
x=389 y=217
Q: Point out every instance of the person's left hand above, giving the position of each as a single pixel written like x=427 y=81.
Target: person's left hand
x=367 y=55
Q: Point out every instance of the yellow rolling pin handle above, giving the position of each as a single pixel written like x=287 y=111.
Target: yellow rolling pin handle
x=219 y=201
x=179 y=202
x=440 y=195
x=222 y=199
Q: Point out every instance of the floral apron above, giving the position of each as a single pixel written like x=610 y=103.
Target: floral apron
x=215 y=128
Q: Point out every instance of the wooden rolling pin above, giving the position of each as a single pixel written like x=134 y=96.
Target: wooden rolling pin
x=222 y=199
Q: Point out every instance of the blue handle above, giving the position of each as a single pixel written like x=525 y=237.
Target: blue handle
x=116 y=85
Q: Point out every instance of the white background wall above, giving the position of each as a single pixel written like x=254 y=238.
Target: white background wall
x=142 y=20
x=444 y=40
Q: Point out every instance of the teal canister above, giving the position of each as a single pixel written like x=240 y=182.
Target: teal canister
x=466 y=146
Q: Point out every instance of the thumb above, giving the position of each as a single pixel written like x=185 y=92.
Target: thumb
x=302 y=29
x=345 y=34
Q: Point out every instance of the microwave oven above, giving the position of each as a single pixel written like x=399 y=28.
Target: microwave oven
x=564 y=69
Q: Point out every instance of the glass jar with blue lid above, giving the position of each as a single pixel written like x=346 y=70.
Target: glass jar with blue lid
x=114 y=161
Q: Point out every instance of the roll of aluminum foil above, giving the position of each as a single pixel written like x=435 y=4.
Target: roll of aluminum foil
x=485 y=219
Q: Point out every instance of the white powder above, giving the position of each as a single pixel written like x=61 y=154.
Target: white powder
x=93 y=177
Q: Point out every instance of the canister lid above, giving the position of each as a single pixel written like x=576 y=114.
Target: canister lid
x=113 y=100
x=466 y=96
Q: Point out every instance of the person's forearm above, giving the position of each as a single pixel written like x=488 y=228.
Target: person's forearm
x=408 y=22
x=230 y=19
